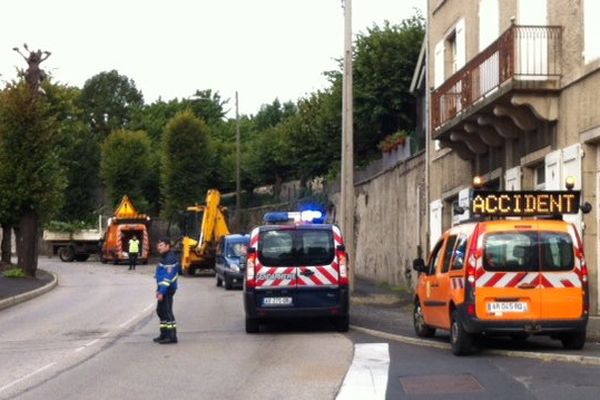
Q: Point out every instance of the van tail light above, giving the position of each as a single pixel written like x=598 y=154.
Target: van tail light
x=250 y=266
x=583 y=272
x=474 y=254
x=343 y=264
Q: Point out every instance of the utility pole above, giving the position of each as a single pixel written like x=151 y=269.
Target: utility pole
x=347 y=198
x=238 y=202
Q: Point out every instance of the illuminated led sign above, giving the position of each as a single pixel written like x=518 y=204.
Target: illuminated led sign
x=522 y=204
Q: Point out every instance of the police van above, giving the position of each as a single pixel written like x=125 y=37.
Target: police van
x=503 y=275
x=296 y=268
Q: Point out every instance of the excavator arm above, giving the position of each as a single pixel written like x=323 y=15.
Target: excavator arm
x=199 y=252
x=213 y=225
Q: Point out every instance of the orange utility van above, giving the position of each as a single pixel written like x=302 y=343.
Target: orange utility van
x=514 y=277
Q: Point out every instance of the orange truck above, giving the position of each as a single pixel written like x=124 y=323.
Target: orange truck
x=125 y=223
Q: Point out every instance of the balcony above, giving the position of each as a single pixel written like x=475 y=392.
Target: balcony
x=503 y=92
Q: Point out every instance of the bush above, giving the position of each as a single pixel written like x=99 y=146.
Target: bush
x=15 y=272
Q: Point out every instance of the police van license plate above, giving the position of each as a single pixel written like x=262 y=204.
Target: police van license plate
x=506 y=306
x=277 y=301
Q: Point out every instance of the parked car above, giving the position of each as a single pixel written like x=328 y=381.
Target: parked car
x=230 y=251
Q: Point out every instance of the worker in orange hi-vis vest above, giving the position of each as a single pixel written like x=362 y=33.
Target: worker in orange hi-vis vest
x=133 y=251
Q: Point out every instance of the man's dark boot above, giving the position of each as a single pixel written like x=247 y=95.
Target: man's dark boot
x=169 y=338
x=163 y=334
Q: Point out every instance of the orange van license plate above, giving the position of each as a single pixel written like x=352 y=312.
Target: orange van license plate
x=277 y=301
x=506 y=306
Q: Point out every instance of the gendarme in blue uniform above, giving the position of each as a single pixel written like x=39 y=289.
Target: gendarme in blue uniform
x=166 y=284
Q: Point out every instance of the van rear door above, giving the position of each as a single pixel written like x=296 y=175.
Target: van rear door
x=562 y=294
x=276 y=267
x=507 y=281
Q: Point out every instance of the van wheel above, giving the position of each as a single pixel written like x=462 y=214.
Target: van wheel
x=252 y=325
x=219 y=281
x=342 y=324
x=573 y=341
x=66 y=253
x=421 y=328
x=460 y=340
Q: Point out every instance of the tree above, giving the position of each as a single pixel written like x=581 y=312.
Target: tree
x=32 y=180
x=79 y=155
x=186 y=163
x=384 y=63
x=124 y=166
x=109 y=101
x=270 y=115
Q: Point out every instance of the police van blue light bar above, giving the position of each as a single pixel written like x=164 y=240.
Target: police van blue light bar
x=294 y=216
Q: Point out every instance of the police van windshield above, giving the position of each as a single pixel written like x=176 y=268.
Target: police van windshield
x=296 y=247
x=528 y=251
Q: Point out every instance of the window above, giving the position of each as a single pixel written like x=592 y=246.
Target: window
x=539 y=176
x=591 y=45
x=448 y=253
x=528 y=251
x=513 y=251
x=434 y=258
x=556 y=251
x=458 y=259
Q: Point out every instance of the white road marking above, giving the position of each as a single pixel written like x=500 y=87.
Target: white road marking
x=124 y=324
x=37 y=371
x=368 y=375
x=91 y=343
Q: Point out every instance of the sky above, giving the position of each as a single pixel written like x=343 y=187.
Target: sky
x=264 y=49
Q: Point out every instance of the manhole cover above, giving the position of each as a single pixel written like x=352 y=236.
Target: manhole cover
x=439 y=384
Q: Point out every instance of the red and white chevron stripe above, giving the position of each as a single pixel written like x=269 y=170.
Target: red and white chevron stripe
x=514 y=279
x=458 y=283
x=322 y=275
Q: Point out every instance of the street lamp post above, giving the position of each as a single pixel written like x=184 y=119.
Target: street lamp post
x=347 y=172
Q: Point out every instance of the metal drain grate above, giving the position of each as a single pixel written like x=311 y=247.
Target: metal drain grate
x=440 y=384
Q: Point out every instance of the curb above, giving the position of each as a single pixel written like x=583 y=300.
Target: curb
x=20 y=298
x=586 y=360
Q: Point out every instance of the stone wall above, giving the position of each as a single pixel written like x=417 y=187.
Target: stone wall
x=390 y=222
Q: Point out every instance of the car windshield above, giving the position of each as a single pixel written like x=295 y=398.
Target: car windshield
x=236 y=249
x=296 y=247
x=528 y=251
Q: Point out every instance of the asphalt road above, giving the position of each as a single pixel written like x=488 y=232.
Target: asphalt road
x=423 y=373
x=91 y=338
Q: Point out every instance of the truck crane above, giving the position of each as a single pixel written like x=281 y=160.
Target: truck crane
x=199 y=245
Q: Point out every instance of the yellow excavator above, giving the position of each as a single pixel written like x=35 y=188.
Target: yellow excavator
x=199 y=243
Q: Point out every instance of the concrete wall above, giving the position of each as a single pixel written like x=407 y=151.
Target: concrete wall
x=390 y=222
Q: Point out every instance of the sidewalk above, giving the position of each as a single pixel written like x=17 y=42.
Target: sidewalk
x=389 y=310
x=16 y=290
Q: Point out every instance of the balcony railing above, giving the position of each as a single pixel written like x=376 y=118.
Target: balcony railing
x=525 y=53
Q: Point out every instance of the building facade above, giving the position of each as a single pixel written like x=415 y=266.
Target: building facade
x=514 y=97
